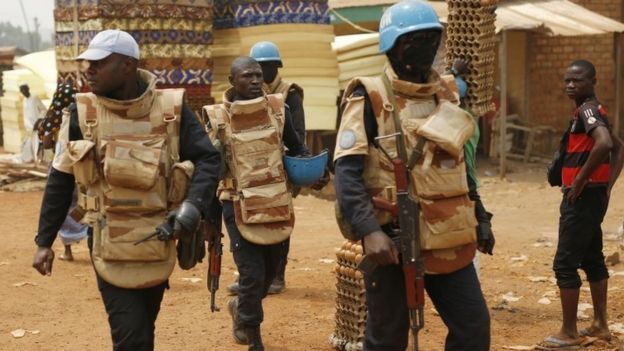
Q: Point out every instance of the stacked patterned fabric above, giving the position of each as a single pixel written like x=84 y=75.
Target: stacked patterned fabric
x=301 y=30
x=470 y=35
x=12 y=107
x=350 y=299
x=174 y=37
x=358 y=56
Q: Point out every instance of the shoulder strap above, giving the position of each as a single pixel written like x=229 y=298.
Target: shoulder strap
x=215 y=116
x=172 y=101
x=417 y=151
x=378 y=104
x=276 y=103
x=87 y=115
x=277 y=106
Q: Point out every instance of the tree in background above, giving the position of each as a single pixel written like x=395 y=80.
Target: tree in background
x=11 y=35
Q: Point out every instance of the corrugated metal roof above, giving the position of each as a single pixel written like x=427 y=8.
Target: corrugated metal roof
x=439 y=6
x=558 y=17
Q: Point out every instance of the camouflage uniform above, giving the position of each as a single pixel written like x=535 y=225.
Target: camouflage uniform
x=257 y=204
x=451 y=210
x=293 y=95
x=125 y=197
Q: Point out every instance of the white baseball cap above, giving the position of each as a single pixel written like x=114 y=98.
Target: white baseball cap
x=110 y=41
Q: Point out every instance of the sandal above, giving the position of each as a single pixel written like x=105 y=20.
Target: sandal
x=595 y=333
x=555 y=343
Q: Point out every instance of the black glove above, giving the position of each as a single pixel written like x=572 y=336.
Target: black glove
x=485 y=237
x=187 y=219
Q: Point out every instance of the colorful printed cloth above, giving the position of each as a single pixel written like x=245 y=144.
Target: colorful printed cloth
x=63 y=97
x=107 y=10
x=148 y=51
x=142 y=37
x=183 y=76
x=194 y=3
x=129 y=24
x=235 y=14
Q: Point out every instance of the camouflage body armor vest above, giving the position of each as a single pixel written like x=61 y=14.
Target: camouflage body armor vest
x=438 y=180
x=128 y=175
x=280 y=86
x=251 y=134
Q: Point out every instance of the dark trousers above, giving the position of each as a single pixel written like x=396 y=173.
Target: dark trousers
x=131 y=315
x=281 y=269
x=257 y=266
x=580 y=238
x=456 y=296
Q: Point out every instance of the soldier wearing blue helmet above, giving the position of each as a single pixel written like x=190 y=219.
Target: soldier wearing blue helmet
x=268 y=56
x=406 y=111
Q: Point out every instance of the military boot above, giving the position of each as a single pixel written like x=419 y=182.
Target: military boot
x=277 y=286
x=254 y=338
x=233 y=288
x=238 y=331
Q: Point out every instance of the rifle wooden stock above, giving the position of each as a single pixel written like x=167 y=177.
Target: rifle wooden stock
x=212 y=229
x=385 y=205
x=400 y=175
x=214 y=269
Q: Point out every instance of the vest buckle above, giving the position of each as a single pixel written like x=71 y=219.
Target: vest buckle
x=90 y=124
x=388 y=107
x=168 y=118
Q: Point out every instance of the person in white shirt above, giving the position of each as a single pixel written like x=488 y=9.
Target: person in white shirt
x=34 y=109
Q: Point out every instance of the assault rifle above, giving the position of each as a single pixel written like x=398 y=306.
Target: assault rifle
x=408 y=233
x=212 y=229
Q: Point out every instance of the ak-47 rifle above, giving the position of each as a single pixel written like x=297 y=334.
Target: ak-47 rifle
x=212 y=228
x=407 y=211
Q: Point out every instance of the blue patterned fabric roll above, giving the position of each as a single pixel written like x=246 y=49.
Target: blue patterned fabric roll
x=196 y=3
x=237 y=13
x=142 y=37
x=183 y=76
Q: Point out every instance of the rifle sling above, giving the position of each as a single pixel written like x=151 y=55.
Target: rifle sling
x=418 y=150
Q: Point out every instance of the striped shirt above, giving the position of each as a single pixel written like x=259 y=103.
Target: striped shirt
x=587 y=117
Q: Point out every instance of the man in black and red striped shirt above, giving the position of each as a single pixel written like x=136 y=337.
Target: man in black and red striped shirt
x=592 y=163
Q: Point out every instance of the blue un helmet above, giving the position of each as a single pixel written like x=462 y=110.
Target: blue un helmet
x=264 y=51
x=404 y=17
x=304 y=171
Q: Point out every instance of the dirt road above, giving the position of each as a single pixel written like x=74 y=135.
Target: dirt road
x=65 y=312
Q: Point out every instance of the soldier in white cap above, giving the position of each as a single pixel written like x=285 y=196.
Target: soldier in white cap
x=145 y=172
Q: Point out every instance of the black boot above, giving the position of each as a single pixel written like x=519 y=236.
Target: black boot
x=279 y=284
x=233 y=288
x=254 y=338
x=238 y=331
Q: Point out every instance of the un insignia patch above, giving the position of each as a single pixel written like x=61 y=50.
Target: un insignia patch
x=347 y=139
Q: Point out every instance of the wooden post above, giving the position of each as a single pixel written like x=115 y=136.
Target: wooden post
x=527 y=80
x=618 y=83
x=502 y=123
x=76 y=44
